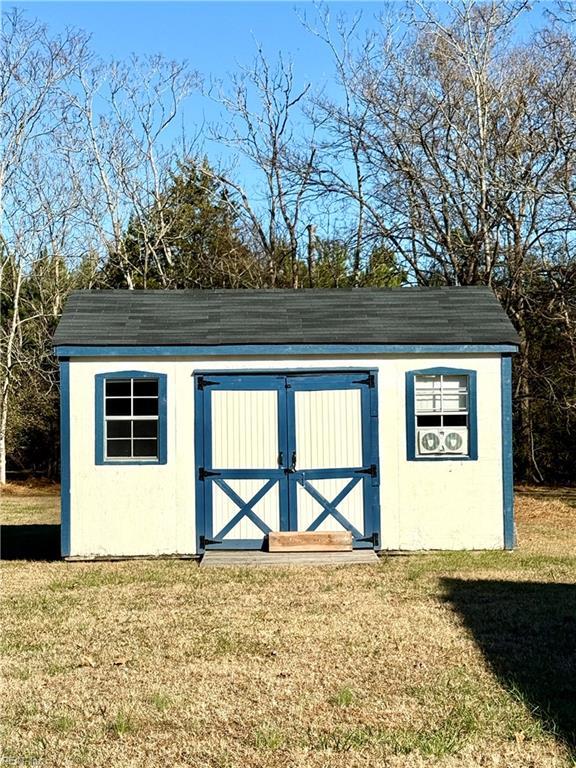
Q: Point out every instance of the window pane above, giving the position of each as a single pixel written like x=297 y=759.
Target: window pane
x=454 y=391
x=455 y=382
x=428 y=394
x=118 y=428
x=118 y=448
x=145 y=448
x=119 y=388
x=429 y=421
x=146 y=406
x=455 y=420
x=118 y=407
x=145 y=387
x=147 y=428
x=455 y=402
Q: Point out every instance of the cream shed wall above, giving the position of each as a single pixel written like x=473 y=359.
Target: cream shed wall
x=131 y=510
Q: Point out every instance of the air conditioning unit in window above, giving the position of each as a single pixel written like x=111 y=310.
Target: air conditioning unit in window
x=446 y=440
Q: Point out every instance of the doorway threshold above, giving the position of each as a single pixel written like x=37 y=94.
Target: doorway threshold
x=239 y=558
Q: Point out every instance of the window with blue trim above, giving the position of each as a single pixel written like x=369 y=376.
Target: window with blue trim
x=131 y=418
x=441 y=414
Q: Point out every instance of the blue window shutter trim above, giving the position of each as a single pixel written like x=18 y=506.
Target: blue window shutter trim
x=472 y=417
x=65 y=458
x=411 y=413
x=507 y=457
x=99 y=382
x=410 y=417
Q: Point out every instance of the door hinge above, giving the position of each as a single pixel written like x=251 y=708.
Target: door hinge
x=372 y=470
x=204 y=473
x=204 y=541
x=204 y=382
x=369 y=381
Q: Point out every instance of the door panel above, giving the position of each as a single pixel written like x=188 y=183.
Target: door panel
x=225 y=509
x=243 y=486
x=332 y=444
x=351 y=507
x=328 y=428
x=244 y=429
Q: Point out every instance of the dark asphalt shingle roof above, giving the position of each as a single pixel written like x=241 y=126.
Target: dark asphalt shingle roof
x=468 y=315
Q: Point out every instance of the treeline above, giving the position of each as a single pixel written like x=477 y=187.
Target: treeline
x=448 y=157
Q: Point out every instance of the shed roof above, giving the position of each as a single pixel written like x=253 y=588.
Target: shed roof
x=448 y=315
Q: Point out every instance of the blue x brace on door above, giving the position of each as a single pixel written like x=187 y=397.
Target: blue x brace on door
x=286 y=452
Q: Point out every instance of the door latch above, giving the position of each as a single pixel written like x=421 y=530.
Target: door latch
x=292 y=468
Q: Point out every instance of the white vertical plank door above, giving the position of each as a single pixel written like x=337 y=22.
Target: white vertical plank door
x=329 y=436
x=245 y=436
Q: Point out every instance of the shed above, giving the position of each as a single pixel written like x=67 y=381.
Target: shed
x=205 y=419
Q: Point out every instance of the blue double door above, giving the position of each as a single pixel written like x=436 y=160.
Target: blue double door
x=286 y=452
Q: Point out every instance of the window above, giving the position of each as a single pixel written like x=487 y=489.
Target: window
x=131 y=418
x=441 y=414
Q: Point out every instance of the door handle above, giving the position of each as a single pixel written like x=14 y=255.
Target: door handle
x=292 y=468
x=281 y=459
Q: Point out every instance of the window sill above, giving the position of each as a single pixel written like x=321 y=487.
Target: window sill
x=442 y=458
x=130 y=462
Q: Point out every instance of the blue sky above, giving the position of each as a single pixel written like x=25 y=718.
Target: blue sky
x=213 y=35
x=215 y=38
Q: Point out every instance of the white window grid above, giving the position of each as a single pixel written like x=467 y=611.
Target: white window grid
x=445 y=394
x=129 y=418
x=439 y=396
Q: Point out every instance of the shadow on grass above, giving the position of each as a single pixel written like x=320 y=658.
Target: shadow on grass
x=527 y=632
x=30 y=542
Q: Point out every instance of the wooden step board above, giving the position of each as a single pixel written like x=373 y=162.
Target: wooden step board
x=310 y=541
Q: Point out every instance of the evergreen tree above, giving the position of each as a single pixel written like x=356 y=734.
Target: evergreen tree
x=192 y=237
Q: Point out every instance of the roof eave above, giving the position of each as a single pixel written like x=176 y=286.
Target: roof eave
x=245 y=350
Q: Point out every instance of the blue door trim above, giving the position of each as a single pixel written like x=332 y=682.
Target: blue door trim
x=204 y=384
x=199 y=439
x=285 y=382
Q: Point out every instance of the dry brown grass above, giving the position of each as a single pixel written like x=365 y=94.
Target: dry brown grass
x=165 y=664
x=546 y=520
x=32 y=487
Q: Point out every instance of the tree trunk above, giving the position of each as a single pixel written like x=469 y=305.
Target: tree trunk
x=3 y=425
x=311 y=229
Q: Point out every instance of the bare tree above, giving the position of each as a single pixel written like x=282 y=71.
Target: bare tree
x=35 y=72
x=263 y=105
x=122 y=152
x=463 y=141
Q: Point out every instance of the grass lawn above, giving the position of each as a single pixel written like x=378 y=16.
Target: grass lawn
x=454 y=659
